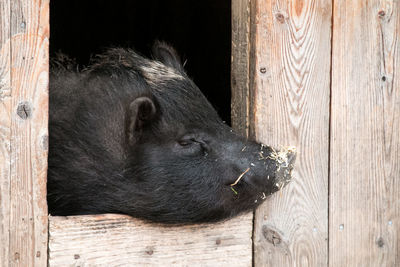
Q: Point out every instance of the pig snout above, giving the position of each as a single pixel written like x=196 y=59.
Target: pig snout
x=279 y=165
x=265 y=169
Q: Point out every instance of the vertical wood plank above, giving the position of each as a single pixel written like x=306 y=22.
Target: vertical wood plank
x=5 y=122
x=240 y=65
x=365 y=134
x=27 y=114
x=290 y=106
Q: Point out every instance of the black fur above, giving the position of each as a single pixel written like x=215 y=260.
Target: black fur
x=136 y=136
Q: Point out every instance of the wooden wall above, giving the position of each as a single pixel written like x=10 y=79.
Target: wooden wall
x=320 y=75
x=323 y=76
x=364 y=222
x=290 y=106
x=24 y=40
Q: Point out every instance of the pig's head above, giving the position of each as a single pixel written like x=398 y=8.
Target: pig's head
x=183 y=163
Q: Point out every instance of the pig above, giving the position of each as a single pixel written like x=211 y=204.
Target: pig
x=136 y=136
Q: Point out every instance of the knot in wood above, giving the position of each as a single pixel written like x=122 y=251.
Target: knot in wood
x=263 y=70
x=24 y=110
x=381 y=13
x=271 y=236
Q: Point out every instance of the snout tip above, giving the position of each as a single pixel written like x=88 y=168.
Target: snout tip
x=285 y=159
x=291 y=155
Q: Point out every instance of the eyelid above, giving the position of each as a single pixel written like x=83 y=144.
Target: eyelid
x=185 y=142
x=187 y=138
x=190 y=139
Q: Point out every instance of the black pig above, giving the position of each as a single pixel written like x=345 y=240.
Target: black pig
x=136 y=136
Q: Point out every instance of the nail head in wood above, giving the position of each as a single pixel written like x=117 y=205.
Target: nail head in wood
x=380 y=243
x=280 y=17
x=149 y=251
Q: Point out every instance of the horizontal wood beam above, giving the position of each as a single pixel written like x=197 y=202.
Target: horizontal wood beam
x=124 y=241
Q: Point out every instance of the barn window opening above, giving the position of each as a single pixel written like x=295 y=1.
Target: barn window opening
x=199 y=30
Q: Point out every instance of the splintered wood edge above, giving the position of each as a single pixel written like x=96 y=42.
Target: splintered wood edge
x=121 y=240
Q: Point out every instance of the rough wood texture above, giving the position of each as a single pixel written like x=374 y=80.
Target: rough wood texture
x=290 y=106
x=23 y=131
x=117 y=240
x=5 y=122
x=365 y=135
x=240 y=65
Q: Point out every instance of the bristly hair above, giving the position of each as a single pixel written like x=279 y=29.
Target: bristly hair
x=61 y=62
x=119 y=60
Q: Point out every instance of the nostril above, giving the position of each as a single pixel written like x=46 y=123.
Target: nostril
x=286 y=159
x=291 y=156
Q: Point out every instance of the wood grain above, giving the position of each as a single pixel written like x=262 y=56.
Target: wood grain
x=23 y=132
x=240 y=65
x=5 y=133
x=365 y=142
x=290 y=106
x=117 y=240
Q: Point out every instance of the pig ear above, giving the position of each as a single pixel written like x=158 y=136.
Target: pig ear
x=140 y=113
x=167 y=55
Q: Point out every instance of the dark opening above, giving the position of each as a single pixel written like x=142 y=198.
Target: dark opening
x=199 y=30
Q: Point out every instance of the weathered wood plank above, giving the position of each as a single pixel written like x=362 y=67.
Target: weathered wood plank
x=365 y=135
x=28 y=112
x=5 y=136
x=290 y=106
x=240 y=65
x=117 y=240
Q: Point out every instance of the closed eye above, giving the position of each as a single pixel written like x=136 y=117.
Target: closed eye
x=193 y=146
x=187 y=142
